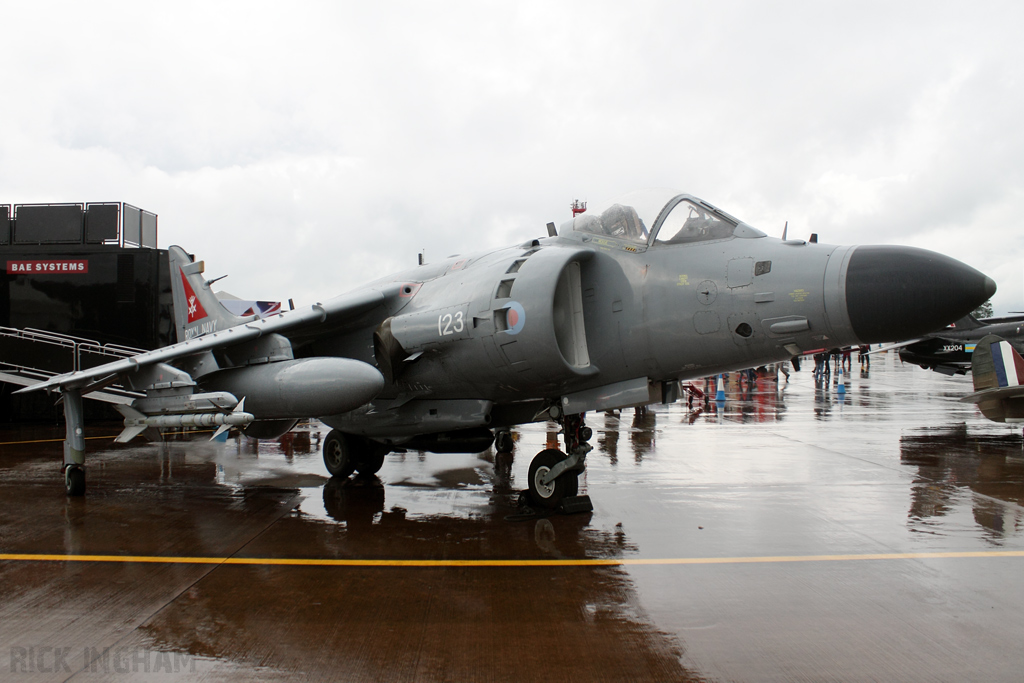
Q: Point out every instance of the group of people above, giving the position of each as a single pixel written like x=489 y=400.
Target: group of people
x=823 y=370
x=840 y=358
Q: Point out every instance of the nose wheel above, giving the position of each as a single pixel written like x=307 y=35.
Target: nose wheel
x=548 y=494
x=554 y=476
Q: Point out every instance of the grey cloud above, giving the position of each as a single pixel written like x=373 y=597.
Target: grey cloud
x=329 y=143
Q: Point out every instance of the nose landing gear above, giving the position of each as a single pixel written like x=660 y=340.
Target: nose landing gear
x=554 y=476
x=548 y=492
x=74 y=480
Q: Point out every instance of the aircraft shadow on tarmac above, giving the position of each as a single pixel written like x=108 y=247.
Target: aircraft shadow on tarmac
x=951 y=460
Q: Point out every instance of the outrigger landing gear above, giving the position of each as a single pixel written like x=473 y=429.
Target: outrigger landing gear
x=554 y=476
x=74 y=444
x=74 y=480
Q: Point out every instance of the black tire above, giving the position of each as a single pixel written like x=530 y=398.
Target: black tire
x=503 y=442
x=338 y=454
x=551 y=495
x=371 y=460
x=74 y=481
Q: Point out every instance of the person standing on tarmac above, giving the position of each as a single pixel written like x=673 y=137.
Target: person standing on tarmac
x=821 y=368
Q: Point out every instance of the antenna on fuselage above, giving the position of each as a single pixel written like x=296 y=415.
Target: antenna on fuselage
x=419 y=257
x=784 y=229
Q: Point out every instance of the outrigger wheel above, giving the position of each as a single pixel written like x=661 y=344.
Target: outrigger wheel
x=346 y=453
x=74 y=480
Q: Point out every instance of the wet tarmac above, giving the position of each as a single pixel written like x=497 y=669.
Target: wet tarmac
x=790 y=536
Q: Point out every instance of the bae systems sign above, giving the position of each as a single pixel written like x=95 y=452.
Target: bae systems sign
x=49 y=266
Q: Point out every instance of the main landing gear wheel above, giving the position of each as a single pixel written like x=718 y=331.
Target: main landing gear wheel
x=550 y=495
x=338 y=454
x=74 y=480
x=347 y=453
x=372 y=460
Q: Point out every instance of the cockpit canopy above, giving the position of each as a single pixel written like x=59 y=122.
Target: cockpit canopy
x=615 y=221
x=661 y=217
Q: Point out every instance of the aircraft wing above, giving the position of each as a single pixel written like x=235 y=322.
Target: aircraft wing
x=897 y=345
x=334 y=314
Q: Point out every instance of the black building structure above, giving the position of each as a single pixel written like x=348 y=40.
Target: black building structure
x=88 y=271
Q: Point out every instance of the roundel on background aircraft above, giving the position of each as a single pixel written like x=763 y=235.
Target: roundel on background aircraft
x=516 y=317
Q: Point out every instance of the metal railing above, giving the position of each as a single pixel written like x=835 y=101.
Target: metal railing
x=29 y=355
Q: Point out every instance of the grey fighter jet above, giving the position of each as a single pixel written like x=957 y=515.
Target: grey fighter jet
x=610 y=310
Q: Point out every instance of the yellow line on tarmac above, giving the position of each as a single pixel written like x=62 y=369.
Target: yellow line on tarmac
x=583 y=562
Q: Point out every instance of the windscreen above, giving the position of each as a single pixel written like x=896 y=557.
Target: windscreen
x=691 y=222
x=634 y=217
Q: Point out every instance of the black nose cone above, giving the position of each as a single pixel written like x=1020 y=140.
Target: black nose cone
x=896 y=293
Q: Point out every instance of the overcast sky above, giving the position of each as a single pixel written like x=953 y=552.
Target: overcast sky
x=305 y=147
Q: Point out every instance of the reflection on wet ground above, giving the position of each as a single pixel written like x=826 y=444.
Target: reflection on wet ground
x=783 y=470
x=954 y=465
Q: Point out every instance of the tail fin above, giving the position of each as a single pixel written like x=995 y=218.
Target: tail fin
x=996 y=364
x=998 y=372
x=968 y=322
x=196 y=310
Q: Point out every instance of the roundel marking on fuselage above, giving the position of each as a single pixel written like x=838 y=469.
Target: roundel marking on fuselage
x=516 y=317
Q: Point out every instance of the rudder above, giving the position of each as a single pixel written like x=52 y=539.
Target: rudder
x=998 y=374
x=197 y=311
x=996 y=364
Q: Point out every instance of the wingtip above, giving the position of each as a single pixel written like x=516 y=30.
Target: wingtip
x=38 y=386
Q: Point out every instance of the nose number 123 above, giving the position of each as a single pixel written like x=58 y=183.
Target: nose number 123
x=450 y=324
